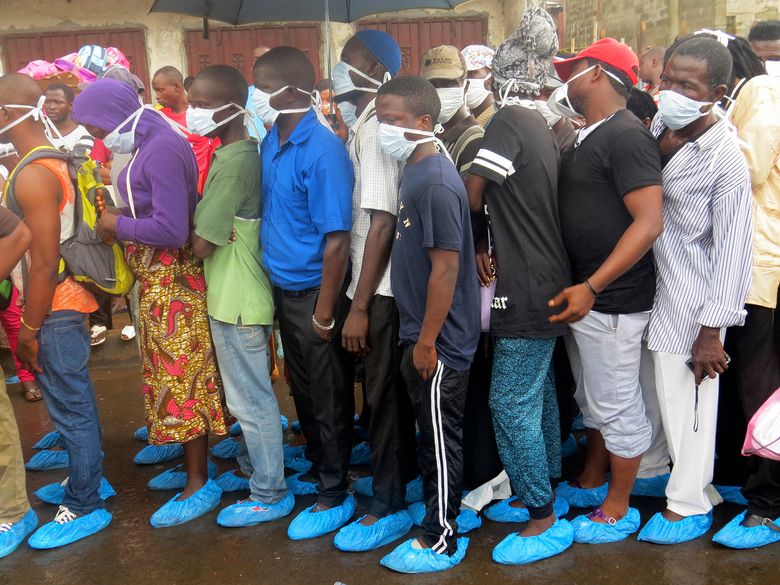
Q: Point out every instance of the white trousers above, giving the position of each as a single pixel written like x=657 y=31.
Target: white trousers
x=655 y=460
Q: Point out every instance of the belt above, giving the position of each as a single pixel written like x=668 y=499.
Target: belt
x=298 y=293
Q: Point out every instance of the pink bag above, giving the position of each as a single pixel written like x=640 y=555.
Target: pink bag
x=763 y=432
x=39 y=69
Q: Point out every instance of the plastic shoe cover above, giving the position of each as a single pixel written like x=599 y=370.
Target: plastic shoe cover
x=296 y=426
x=734 y=535
x=141 y=434
x=417 y=512
x=467 y=520
x=54 y=493
x=176 y=512
x=651 y=487
x=568 y=447
x=732 y=494
x=153 y=454
x=284 y=421
x=503 y=512
x=10 y=380
x=660 y=531
x=293 y=452
x=176 y=478
x=226 y=449
x=578 y=424
x=518 y=550
x=364 y=486
x=56 y=534
x=235 y=429
x=233 y=481
x=588 y=532
x=361 y=454
x=250 y=513
x=11 y=538
x=414 y=491
x=408 y=559
x=358 y=538
x=299 y=464
x=49 y=441
x=47 y=459
x=310 y=524
x=582 y=497
x=300 y=487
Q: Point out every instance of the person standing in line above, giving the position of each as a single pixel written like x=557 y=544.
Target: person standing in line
x=479 y=97
x=764 y=37
x=651 y=65
x=703 y=260
x=59 y=109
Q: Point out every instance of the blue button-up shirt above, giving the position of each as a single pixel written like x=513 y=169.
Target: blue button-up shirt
x=307 y=193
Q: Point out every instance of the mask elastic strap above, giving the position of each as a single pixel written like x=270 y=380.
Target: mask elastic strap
x=378 y=84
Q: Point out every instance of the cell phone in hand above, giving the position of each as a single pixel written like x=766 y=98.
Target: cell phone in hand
x=689 y=363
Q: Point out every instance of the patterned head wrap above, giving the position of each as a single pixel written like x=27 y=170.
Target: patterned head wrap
x=477 y=57
x=523 y=60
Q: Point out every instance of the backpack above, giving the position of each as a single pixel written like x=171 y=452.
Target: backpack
x=83 y=255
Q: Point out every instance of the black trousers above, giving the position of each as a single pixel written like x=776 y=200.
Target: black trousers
x=103 y=314
x=439 y=403
x=392 y=432
x=754 y=374
x=321 y=376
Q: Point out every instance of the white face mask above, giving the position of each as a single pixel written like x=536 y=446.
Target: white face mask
x=551 y=118
x=342 y=80
x=476 y=92
x=395 y=145
x=266 y=112
x=201 y=120
x=348 y=113
x=36 y=113
x=124 y=142
x=559 y=102
x=451 y=98
x=677 y=110
x=772 y=68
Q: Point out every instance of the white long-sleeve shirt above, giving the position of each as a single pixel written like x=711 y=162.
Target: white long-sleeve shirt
x=703 y=257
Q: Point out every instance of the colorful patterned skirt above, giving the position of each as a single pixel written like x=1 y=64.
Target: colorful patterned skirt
x=181 y=385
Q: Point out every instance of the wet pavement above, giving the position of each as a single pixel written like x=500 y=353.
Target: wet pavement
x=131 y=552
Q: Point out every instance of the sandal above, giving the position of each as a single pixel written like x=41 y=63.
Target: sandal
x=31 y=393
x=128 y=333
x=98 y=335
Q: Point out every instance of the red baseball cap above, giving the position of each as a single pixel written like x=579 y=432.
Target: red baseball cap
x=607 y=50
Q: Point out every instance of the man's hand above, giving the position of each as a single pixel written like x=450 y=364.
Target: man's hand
x=27 y=350
x=354 y=334
x=579 y=299
x=106 y=227
x=325 y=335
x=486 y=269
x=707 y=354
x=424 y=360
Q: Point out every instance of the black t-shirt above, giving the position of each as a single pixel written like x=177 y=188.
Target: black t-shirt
x=433 y=212
x=618 y=157
x=519 y=157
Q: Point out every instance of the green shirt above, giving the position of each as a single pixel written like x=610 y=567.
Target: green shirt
x=237 y=286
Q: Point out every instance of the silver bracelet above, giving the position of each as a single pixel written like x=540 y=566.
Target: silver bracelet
x=323 y=327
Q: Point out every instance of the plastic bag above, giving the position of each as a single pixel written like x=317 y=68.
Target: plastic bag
x=763 y=432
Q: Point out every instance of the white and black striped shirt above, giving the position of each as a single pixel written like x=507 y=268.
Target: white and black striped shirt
x=703 y=256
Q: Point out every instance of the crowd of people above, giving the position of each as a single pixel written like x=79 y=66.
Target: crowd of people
x=476 y=246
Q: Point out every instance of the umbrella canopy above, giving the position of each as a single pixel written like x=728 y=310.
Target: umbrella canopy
x=237 y=12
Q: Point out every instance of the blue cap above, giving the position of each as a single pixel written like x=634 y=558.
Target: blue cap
x=383 y=47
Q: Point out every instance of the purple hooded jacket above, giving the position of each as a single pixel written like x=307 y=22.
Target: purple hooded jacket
x=164 y=175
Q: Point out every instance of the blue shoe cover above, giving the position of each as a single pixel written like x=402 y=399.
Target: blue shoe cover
x=651 y=487
x=518 y=550
x=408 y=559
x=284 y=421
x=361 y=454
x=226 y=449
x=153 y=454
x=355 y=537
x=235 y=429
x=582 y=497
x=49 y=441
x=414 y=491
x=588 y=532
x=54 y=493
x=176 y=478
x=11 y=380
x=732 y=494
x=296 y=426
x=734 y=535
x=310 y=524
x=298 y=487
x=568 y=447
x=293 y=452
x=364 y=486
x=47 y=459
x=578 y=424
x=11 y=539
x=660 y=531
x=176 y=512
x=141 y=434
x=53 y=535
x=467 y=520
x=299 y=464
x=233 y=481
x=250 y=513
x=417 y=512
x=503 y=512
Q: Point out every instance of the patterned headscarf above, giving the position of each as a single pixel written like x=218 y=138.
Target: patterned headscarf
x=477 y=57
x=523 y=60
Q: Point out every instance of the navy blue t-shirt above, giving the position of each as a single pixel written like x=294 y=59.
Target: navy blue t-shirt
x=433 y=212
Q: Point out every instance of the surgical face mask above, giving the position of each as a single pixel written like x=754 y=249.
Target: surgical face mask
x=451 y=99
x=201 y=120
x=544 y=109
x=677 y=110
x=123 y=142
x=772 y=68
x=476 y=92
x=395 y=145
x=37 y=113
x=266 y=112
x=559 y=101
x=348 y=113
x=342 y=80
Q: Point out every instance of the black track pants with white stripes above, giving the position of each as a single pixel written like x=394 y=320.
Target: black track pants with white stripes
x=439 y=403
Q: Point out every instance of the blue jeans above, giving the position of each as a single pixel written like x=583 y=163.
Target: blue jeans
x=242 y=354
x=63 y=353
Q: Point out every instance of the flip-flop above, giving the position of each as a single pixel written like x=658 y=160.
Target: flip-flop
x=32 y=394
x=128 y=333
